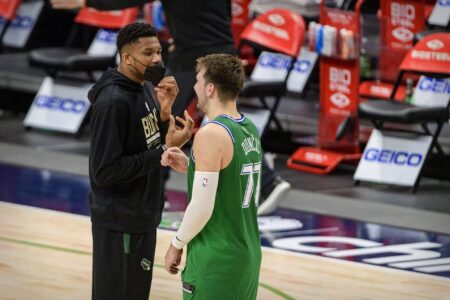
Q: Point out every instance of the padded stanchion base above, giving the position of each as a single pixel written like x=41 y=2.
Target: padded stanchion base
x=319 y=161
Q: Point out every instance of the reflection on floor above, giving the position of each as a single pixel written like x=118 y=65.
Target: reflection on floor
x=287 y=229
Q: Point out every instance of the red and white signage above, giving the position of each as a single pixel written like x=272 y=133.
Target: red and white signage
x=401 y=19
x=107 y=19
x=339 y=99
x=8 y=8
x=430 y=55
x=239 y=18
x=278 y=29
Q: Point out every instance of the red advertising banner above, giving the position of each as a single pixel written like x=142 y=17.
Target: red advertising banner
x=239 y=18
x=339 y=87
x=430 y=55
x=339 y=95
x=107 y=19
x=400 y=20
x=8 y=8
x=280 y=29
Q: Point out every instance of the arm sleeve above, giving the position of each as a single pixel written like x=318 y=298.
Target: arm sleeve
x=107 y=163
x=200 y=209
x=114 y=4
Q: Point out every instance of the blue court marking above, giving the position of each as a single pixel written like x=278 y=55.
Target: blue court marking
x=333 y=237
x=46 y=189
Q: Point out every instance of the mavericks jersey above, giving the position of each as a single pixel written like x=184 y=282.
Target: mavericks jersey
x=223 y=260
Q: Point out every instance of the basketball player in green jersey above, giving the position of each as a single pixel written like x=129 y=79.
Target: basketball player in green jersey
x=219 y=226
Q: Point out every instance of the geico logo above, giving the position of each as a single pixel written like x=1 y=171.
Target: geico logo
x=22 y=22
x=63 y=104
x=107 y=36
x=393 y=157
x=275 y=61
x=444 y=2
x=434 y=85
x=302 y=66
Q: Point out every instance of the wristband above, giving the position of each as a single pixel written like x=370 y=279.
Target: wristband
x=177 y=243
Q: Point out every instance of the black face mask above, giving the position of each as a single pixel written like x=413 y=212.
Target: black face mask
x=155 y=73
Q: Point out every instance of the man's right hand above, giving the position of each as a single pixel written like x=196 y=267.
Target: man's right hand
x=67 y=4
x=176 y=159
x=178 y=136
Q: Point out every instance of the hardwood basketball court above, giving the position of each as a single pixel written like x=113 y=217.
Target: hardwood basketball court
x=47 y=255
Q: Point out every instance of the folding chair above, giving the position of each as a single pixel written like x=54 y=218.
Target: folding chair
x=277 y=30
x=57 y=59
x=429 y=57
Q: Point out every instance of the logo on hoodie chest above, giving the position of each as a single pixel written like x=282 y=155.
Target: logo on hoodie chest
x=151 y=129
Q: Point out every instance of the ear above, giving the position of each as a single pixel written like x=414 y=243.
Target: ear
x=125 y=57
x=210 y=89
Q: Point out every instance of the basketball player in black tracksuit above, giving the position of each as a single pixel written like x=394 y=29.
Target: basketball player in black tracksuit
x=129 y=122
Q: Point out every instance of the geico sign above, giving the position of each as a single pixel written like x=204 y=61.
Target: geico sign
x=393 y=157
x=22 y=22
x=403 y=256
x=107 y=36
x=275 y=61
x=302 y=66
x=60 y=104
x=269 y=29
x=434 y=85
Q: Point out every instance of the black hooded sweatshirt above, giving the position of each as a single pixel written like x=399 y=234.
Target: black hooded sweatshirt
x=126 y=134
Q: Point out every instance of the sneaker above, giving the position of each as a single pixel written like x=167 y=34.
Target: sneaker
x=272 y=196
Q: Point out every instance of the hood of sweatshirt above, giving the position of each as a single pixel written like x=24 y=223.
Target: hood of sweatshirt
x=112 y=76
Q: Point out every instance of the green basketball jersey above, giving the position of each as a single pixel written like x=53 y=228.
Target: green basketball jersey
x=224 y=259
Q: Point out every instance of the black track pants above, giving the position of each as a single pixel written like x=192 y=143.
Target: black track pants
x=122 y=264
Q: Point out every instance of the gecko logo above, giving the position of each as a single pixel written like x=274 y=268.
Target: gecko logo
x=403 y=34
x=435 y=44
x=340 y=100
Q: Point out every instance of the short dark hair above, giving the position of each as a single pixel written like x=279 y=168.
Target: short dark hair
x=225 y=71
x=131 y=33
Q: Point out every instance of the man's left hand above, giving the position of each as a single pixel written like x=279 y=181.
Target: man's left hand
x=166 y=91
x=173 y=259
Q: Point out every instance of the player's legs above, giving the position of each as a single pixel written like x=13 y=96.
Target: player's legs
x=122 y=264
